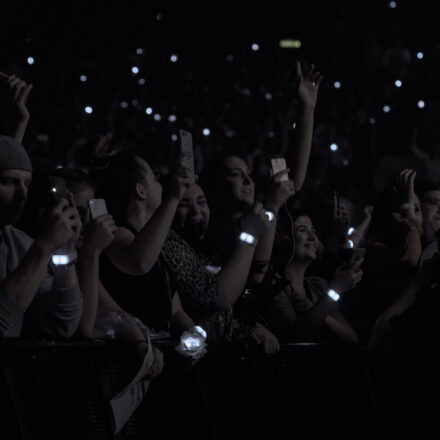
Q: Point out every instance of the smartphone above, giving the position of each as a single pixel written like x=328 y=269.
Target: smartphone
x=186 y=147
x=58 y=188
x=352 y=256
x=97 y=208
x=279 y=164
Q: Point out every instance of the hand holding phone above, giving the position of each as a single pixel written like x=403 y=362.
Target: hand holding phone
x=279 y=164
x=186 y=147
x=58 y=188
x=97 y=208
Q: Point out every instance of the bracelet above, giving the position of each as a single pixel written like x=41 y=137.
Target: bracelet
x=333 y=295
x=270 y=215
x=248 y=238
x=64 y=259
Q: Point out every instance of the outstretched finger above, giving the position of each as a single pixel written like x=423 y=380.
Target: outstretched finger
x=298 y=69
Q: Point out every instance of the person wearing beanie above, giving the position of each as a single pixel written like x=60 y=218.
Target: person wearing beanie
x=35 y=299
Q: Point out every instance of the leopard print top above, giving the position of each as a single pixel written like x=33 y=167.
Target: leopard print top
x=197 y=287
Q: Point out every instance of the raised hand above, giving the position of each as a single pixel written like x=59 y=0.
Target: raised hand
x=99 y=233
x=262 y=336
x=345 y=278
x=256 y=222
x=279 y=191
x=404 y=186
x=308 y=85
x=179 y=182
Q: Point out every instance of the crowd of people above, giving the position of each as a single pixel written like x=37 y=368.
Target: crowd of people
x=231 y=257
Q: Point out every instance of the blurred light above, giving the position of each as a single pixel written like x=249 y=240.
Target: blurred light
x=271 y=134
x=350 y=231
x=83 y=78
x=30 y=60
x=134 y=102
x=419 y=55
x=337 y=85
x=268 y=96
x=421 y=104
x=392 y=4
x=350 y=244
x=255 y=47
x=174 y=137
x=159 y=16
x=135 y=70
x=334 y=147
x=294 y=125
x=398 y=83
x=290 y=44
x=172 y=118
x=200 y=331
x=270 y=215
x=230 y=58
x=139 y=51
x=124 y=104
x=246 y=92
x=386 y=108
x=157 y=117
x=345 y=162
x=372 y=121
x=141 y=81
x=333 y=295
x=174 y=58
x=206 y=132
x=148 y=110
x=88 y=109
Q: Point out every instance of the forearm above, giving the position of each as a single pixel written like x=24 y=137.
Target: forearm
x=231 y=280
x=21 y=285
x=359 y=232
x=19 y=129
x=298 y=156
x=180 y=319
x=341 y=329
x=148 y=243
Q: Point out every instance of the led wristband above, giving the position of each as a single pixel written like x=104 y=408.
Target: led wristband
x=248 y=238
x=64 y=259
x=333 y=295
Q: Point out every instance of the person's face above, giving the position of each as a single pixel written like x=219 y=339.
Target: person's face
x=153 y=189
x=192 y=215
x=306 y=241
x=430 y=205
x=82 y=195
x=236 y=180
x=14 y=186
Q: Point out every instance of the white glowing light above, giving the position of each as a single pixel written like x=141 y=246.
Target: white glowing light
x=200 y=331
x=420 y=55
x=88 y=109
x=270 y=215
x=124 y=104
x=148 y=110
x=333 y=295
x=157 y=117
x=172 y=118
x=334 y=147
x=386 y=108
x=83 y=78
x=392 y=4
x=174 y=58
x=191 y=342
x=59 y=260
x=294 y=125
x=255 y=47
x=135 y=70
x=421 y=104
x=30 y=60
x=247 y=238
x=350 y=244
x=350 y=231
x=337 y=85
x=141 y=81
x=174 y=137
x=372 y=121
x=398 y=83
x=206 y=132
x=139 y=51
x=268 y=96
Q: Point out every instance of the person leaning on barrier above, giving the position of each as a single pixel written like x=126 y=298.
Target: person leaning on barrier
x=32 y=298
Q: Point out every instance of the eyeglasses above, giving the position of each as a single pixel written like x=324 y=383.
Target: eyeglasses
x=435 y=203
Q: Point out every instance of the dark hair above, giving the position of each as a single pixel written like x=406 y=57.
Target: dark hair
x=117 y=182
x=73 y=177
x=424 y=186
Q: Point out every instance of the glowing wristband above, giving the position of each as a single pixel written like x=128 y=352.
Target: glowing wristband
x=333 y=295
x=200 y=331
x=64 y=259
x=270 y=215
x=248 y=238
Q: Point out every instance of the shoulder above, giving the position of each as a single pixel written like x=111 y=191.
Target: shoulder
x=17 y=238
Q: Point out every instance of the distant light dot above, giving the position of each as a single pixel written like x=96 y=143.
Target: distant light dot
x=148 y=110
x=372 y=121
x=30 y=60
x=83 y=78
x=345 y=162
x=134 y=102
x=398 y=83
x=174 y=58
x=124 y=104
x=294 y=125
x=88 y=110
x=206 y=132
x=392 y=4
x=420 y=55
x=421 y=104
x=172 y=118
x=157 y=117
x=255 y=47
x=334 y=147
x=230 y=58
x=159 y=17
x=386 y=108
x=268 y=96
x=141 y=81
x=174 y=137
x=271 y=134
x=139 y=51
x=135 y=70
x=337 y=85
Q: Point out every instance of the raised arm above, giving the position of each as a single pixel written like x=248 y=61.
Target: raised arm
x=298 y=155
